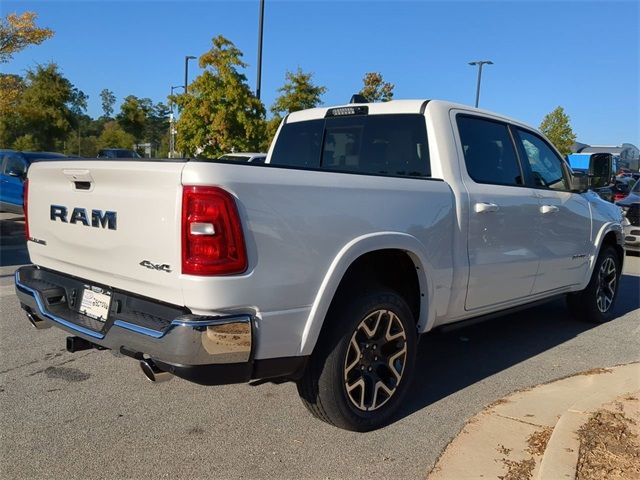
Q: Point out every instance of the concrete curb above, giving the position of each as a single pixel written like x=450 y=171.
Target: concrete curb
x=561 y=455
x=532 y=432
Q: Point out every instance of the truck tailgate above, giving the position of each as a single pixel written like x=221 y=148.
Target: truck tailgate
x=114 y=222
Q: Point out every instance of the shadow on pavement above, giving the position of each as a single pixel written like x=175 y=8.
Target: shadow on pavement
x=451 y=361
x=13 y=246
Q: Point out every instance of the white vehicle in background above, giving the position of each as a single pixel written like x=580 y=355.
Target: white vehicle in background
x=248 y=157
x=368 y=225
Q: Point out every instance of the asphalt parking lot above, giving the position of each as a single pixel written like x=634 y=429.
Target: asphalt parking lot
x=93 y=415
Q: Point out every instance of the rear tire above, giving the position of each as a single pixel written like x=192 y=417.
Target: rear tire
x=595 y=303
x=363 y=362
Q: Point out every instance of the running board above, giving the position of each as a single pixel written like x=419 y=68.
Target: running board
x=489 y=316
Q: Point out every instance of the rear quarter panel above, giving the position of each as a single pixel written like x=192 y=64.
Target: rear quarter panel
x=302 y=230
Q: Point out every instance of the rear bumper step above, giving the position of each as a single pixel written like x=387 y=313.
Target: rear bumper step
x=208 y=350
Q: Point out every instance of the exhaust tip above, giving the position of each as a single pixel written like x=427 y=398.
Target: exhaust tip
x=36 y=321
x=153 y=373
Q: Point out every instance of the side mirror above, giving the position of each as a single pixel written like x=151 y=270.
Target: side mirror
x=16 y=173
x=579 y=182
x=601 y=170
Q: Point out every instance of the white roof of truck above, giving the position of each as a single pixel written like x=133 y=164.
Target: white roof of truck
x=396 y=106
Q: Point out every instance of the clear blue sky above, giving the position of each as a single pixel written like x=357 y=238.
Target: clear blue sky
x=581 y=55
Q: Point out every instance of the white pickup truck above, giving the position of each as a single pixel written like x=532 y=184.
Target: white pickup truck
x=368 y=225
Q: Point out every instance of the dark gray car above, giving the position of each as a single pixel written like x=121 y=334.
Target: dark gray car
x=631 y=206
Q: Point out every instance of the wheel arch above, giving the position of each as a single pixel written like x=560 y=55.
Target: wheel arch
x=348 y=255
x=609 y=234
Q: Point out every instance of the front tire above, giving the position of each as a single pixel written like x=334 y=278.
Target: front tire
x=363 y=363
x=595 y=303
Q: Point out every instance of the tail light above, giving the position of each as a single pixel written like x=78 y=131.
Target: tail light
x=25 y=207
x=618 y=196
x=212 y=238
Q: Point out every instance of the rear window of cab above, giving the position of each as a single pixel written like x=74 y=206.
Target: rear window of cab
x=392 y=145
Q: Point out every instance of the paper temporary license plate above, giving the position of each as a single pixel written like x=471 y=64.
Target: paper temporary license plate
x=95 y=303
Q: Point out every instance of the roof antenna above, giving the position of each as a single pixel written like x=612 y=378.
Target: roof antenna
x=358 y=98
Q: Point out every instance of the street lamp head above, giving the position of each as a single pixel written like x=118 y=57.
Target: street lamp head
x=190 y=57
x=481 y=62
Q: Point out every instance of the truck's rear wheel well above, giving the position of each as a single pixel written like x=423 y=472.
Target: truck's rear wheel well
x=389 y=268
x=610 y=239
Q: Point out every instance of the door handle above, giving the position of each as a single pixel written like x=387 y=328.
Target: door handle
x=482 y=207
x=549 y=209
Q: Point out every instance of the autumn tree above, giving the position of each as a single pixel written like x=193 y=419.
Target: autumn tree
x=557 y=128
x=220 y=113
x=17 y=32
x=108 y=100
x=47 y=109
x=375 y=89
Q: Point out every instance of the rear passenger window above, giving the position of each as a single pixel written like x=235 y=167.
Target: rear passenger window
x=488 y=151
x=394 y=145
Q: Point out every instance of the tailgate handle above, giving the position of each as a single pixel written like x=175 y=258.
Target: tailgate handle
x=82 y=185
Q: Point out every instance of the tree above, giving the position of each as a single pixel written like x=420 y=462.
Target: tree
x=26 y=143
x=557 y=128
x=108 y=101
x=375 y=89
x=133 y=115
x=11 y=88
x=297 y=93
x=157 y=124
x=220 y=113
x=17 y=32
x=47 y=109
x=114 y=136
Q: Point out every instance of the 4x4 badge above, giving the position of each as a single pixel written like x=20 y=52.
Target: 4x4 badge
x=156 y=266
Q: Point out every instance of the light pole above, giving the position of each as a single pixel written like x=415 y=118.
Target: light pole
x=186 y=70
x=172 y=129
x=480 y=63
x=260 y=24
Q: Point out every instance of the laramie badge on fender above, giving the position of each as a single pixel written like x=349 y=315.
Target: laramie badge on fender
x=79 y=215
x=164 y=267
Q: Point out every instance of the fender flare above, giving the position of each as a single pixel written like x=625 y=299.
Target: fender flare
x=604 y=230
x=346 y=256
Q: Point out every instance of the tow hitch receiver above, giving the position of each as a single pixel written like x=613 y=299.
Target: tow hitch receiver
x=77 y=344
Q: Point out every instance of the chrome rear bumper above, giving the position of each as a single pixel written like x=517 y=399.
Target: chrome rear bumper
x=181 y=345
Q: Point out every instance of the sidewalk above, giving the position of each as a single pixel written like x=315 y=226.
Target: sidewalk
x=532 y=434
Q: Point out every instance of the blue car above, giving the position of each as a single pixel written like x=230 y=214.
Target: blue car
x=13 y=171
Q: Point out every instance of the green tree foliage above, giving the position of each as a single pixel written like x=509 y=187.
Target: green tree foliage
x=47 y=109
x=157 y=125
x=85 y=146
x=11 y=88
x=17 y=32
x=220 y=113
x=26 y=143
x=108 y=101
x=557 y=128
x=114 y=136
x=375 y=89
x=133 y=115
x=297 y=93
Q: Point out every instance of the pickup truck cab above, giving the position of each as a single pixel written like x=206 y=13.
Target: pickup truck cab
x=368 y=225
